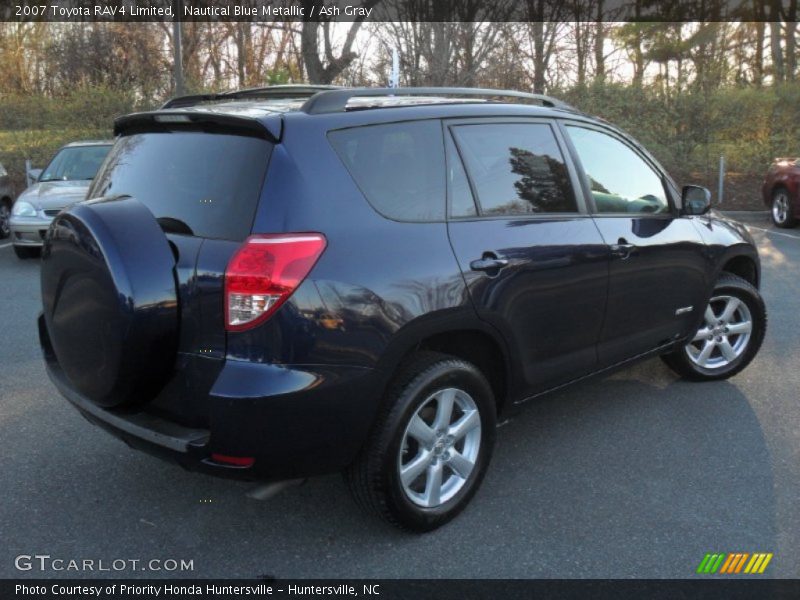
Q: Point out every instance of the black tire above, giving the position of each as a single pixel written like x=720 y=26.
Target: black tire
x=5 y=216
x=782 y=217
x=374 y=478
x=728 y=285
x=24 y=252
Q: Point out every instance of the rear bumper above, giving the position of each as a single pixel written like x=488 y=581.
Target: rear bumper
x=140 y=430
x=294 y=421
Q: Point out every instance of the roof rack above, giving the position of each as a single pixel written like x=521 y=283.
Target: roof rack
x=331 y=101
x=272 y=91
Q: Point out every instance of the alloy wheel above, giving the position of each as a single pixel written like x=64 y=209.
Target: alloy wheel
x=724 y=336
x=440 y=447
x=780 y=207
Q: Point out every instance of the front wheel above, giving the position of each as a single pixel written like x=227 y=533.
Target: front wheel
x=25 y=252
x=431 y=446
x=782 y=209
x=732 y=331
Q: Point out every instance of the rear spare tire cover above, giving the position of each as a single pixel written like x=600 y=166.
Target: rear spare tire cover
x=110 y=300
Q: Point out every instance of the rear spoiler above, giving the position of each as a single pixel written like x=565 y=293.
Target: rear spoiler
x=211 y=122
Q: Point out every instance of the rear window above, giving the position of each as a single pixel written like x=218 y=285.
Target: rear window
x=399 y=167
x=195 y=183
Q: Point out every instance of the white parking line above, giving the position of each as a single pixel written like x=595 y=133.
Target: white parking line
x=5 y=245
x=789 y=235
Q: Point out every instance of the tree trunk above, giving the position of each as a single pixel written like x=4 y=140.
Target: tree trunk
x=539 y=62
x=775 y=41
x=580 y=52
x=638 y=54
x=599 y=45
x=758 y=59
x=791 y=46
x=325 y=73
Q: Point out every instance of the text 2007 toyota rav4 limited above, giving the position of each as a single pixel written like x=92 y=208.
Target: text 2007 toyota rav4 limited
x=284 y=282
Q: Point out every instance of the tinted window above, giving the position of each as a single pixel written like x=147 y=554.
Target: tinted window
x=621 y=181
x=462 y=204
x=78 y=163
x=195 y=183
x=516 y=168
x=399 y=167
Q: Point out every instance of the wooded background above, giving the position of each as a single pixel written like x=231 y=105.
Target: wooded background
x=689 y=91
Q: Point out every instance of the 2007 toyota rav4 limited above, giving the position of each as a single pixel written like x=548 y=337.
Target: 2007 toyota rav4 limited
x=283 y=282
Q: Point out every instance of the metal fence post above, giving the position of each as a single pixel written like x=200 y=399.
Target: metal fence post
x=721 y=188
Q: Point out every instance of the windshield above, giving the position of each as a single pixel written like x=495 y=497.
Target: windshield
x=76 y=163
x=194 y=183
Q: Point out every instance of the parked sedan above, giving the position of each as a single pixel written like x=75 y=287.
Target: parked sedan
x=781 y=191
x=6 y=200
x=63 y=182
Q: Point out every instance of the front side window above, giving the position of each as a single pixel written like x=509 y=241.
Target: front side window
x=516 y=168
x=620 y=180
x=76 y=163
x=399 y=167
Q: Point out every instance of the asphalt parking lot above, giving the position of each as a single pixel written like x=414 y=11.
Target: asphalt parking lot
x=636 y=475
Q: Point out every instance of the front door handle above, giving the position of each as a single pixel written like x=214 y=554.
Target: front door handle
x=488 y=263
x=622 y=249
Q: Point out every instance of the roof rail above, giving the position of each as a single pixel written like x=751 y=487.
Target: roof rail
x=272 y=91
x=331 y=101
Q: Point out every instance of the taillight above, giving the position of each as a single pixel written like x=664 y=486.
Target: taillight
x=236 y=461
x=264 y=272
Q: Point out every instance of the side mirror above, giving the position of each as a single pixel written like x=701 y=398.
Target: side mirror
x=33 y=175
x=696 y=200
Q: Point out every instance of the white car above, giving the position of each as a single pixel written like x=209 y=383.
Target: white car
x=63 y=182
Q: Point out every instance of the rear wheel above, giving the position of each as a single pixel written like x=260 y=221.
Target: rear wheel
x=5 y=216
x=430 y=448
x=733 y=328
x=782 y=209
x=24 y=252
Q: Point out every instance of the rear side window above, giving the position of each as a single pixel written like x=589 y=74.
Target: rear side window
x=195 y=183
x=516 y=168
x=399 y=167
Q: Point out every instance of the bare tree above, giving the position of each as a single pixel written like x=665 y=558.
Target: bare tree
x=442 y=42
x=319 y=57
x=545 y=24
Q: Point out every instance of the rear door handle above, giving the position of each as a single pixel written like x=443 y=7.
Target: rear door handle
x=488 y=263
x=622 y=249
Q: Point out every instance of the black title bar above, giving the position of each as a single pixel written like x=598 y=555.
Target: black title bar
x=77 y=11
x=459 y=589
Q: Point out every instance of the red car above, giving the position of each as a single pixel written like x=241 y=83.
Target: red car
x=781 y=191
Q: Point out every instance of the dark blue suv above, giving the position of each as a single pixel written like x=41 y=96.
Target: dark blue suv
x=276 y=283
